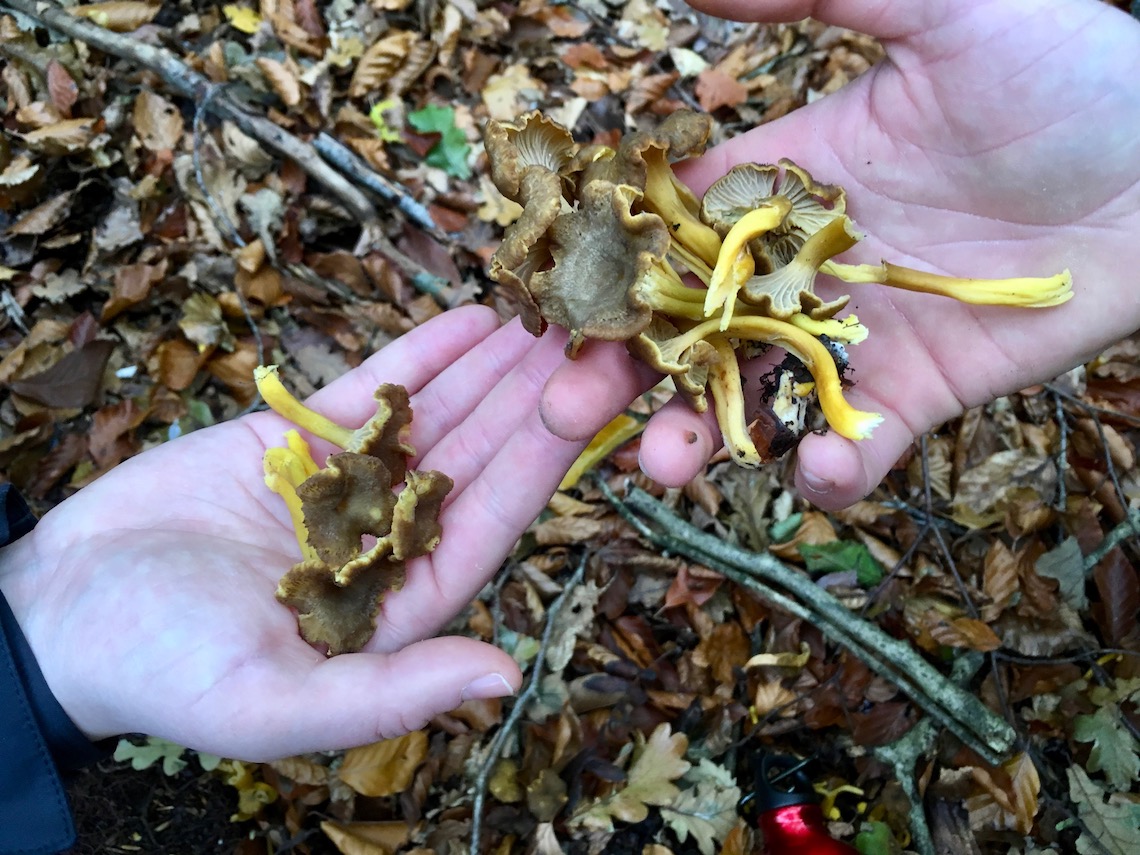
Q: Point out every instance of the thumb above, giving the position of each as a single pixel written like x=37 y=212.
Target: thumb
x=359 y=698
x=884 y=19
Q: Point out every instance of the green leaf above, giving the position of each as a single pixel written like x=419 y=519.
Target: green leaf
x=1113 y=826
x=875 y=838
x=450 y=153
x=843 y=556
x=150 y=752
x=1066 y=564
x=1114 y=748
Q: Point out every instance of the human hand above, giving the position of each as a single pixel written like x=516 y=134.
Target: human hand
x=996 y=139
x=148 y=597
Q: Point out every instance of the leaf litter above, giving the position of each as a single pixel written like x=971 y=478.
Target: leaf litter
x=153 y=254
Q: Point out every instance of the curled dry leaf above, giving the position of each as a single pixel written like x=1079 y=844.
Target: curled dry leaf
x=380 y=62
x=120 y=16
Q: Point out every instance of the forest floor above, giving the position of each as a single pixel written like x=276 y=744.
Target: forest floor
x=156 y=249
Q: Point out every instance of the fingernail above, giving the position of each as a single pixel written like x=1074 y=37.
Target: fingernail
x=488 y=686
x=818 y=484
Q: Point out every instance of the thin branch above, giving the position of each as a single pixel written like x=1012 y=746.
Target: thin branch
x=351 y=164
x=520 y=705
x=1126 y=528
x=188 y=83
x=960 y=712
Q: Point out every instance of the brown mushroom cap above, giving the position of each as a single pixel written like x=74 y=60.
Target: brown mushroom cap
x=689 y=368
x=385 y=435
x=601 y=251
x=415 y=520
x=340 y=616
x=533 y=142
x=341 y=503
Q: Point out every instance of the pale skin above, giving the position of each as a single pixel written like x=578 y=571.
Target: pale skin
x=148 y=597
x=996 y=139
x=999 y=139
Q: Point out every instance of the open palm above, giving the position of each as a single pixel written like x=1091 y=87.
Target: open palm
x=996 y=139
x=149 y=596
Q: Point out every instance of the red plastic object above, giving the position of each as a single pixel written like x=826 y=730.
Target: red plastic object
x=788 y=816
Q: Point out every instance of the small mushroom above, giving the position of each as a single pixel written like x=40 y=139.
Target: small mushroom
x=601 y=252
x=736 y=263
x=791 y=288
x=351 y=497
x=384 y=435
x=688 y=363
x=534 y=142
x=341 y=616
x=415 y=520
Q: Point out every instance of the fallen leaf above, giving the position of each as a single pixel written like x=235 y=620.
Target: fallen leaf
x=72 y=382
x=1114 y=748
x=111 y=435
x=61 y=88
x=45 y=216
x=282 y=78
x=158 y=123
x=1111 y=823
x=367 y=838
x=242 y=18
x=381 y=60
x=384 y=768
x=715 y=89
x=119 y=16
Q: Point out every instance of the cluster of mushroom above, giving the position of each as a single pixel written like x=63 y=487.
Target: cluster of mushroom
x=338 y=585
x=605 y=235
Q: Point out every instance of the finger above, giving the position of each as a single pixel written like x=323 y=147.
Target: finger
x=358 y=698
x=584 y=394
x=479 y=529
x=833 y=472
x=412 y=360
x=467 y=450
x=447 y=401
x=677 y=443
x=884 y=19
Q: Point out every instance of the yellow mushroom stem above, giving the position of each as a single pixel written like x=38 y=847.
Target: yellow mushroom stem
x=786 y=284
x=845 y=419
x=282 y=402
x=691 y=262
x=614 y=435
x=1027 y=292
x=664 y=199
x=285 y=471
x=735 y=264
x=662 y=289
x=847 y=330
x=728 y=404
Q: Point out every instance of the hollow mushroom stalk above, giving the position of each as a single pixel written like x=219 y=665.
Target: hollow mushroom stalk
x=285 y=470
x=1028 y=292
x=735 y=264
x=786 y=290
x=728 y=404
x=843 y=418
x=282 y=402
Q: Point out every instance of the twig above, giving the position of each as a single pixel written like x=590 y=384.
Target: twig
x=1062 y=450
x=960 y=712
x=188 y=83
x=351 y=164
x=904 y=753
x=1126 y=528
x=520 y=705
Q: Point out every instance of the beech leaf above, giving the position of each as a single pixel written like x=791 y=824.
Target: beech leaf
x=71 y=382
x=384 y=768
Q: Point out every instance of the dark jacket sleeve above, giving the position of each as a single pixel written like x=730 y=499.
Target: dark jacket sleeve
x=36 y=736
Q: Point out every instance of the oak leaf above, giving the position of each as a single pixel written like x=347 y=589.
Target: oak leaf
x=706 y=810
x=657 y=763
x=1111 y=824
x=1114 y=749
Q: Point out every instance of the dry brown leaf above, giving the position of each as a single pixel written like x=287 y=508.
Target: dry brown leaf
x=815 y=529
x=283 y=79
x=367 y=838
x=67 y=136
x=965 y=632
x=71 y=382
x=507 y=92
x=111 y=435
x=235 y=370
x=62 y=88
x=119 y=16
x=132 y=285
x=1009 y=798
x=380 y=62
x=384 y=768
x=1001 y=578
x=715 y=89
x=417 y=60
x=158 y=123
x=44 y=217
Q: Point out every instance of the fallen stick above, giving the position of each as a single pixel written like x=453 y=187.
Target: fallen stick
x=957 y=710
x=188 y=83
